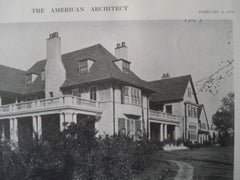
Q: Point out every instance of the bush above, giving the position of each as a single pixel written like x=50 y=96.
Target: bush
x=76 y=153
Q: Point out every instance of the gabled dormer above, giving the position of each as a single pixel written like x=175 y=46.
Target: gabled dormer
x=84 y=65
x=121 y=53
x=30 y=78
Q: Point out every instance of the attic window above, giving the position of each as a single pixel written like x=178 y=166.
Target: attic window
x=83 y=66
x=189 y=92
x=30 y=78
x=125 y=66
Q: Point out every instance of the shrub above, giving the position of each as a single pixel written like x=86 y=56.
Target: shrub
x=76 y=153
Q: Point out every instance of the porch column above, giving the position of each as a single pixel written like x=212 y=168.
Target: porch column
x=62 y=122
x=161 y=132
x=39 y=126
x=74 y=118
x=3 y=131
x=176 y=132
x=0 y=100
x=35 y=124
x=14 y=129
x=165 y=131
x=68 y=118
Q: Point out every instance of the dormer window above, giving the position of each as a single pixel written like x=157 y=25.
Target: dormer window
x=42 y=75
x=125 y=66
x=83 y=66
x=30 y=78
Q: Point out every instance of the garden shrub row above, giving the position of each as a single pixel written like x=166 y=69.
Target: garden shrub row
x=76 y=153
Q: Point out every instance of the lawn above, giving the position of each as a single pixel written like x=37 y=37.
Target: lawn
x=209 y=163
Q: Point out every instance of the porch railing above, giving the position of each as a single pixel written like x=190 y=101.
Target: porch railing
x=164 y=116
x=66 y=100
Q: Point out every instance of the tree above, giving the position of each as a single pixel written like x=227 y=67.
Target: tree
x=224 y=119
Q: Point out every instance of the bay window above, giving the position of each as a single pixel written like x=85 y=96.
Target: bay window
x=131 y=95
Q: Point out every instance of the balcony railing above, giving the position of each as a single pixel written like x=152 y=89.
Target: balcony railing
x=164 y=116
x=66 y=100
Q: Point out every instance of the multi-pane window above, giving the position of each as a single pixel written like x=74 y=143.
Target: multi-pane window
x=126 y=66
x=130 y=127
x=192 y=111
x=192 y=132
x=131 y=95
x=83 y=67
x=93 y=93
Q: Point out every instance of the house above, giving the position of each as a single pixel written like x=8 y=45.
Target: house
x=204 y=129
x=92 y=83
x=174 y=109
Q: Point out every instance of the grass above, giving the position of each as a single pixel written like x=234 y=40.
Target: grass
x=209 y=163
x=159 y=169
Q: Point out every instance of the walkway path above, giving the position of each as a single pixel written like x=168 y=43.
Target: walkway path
x=185 y=172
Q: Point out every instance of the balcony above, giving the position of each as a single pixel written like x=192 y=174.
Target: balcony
x=39 y=105
x=160 y=116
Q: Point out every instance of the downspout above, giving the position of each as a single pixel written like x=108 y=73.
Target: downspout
x=113 y=109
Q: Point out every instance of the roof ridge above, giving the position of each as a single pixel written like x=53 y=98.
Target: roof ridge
x=82 y=49
x=170 y=78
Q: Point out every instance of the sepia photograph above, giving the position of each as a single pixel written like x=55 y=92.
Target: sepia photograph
x=125 y=99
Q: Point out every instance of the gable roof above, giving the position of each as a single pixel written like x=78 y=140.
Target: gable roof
x=12 y=80
x=171 y=89
x=103 y=69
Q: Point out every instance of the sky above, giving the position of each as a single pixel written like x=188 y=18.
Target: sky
x=177 y=47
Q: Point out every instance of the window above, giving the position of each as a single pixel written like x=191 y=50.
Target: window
x=192 y=111
x=42 y=75
x=93 y=93
x=195 y=112
x=189 y=92
x=83 y=68
x=131 y=127
x=192 y=132
x=125 y=66
x=125 y=94
x=121 y=126
x=169 y=109
x=131 y=95
x=76 y=92
x=189 y=110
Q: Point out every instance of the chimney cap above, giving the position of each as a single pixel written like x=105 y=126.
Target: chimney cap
x=54 y=34
x=123 y=44
x=118 y=45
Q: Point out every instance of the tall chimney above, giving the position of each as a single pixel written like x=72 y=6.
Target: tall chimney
x=121 y=51
x=55 y=73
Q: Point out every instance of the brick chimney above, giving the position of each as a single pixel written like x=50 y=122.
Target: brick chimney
x=121 y=51
x=55 y=73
